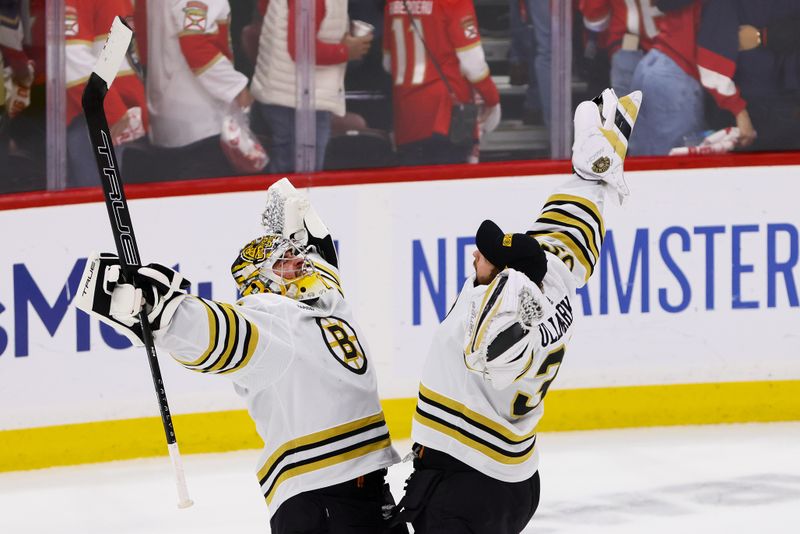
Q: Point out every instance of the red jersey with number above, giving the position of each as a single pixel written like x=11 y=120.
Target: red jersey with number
x=422 y=103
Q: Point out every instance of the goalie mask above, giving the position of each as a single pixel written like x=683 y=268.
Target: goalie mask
x=275 y=264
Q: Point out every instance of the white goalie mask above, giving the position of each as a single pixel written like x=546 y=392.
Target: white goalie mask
x=275 y=264
x=501 y=333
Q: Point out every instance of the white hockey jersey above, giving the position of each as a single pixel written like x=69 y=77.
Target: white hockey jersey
x=458 y=411
x=306 y=376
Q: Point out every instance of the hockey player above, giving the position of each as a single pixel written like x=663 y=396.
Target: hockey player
x=294 y=353
x=499 y=349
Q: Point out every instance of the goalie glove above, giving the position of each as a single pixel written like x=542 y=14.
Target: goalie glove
x=104 y=294
x=603 y=127
x=289 y=213
x=501 y=337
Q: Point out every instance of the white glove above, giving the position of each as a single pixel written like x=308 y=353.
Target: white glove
x=501 y=337
x=104 y=295
x=602 y=129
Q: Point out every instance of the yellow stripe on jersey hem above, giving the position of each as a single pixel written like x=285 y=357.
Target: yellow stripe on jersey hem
x=327 y=462
x=585 y=202
x=472 y=444
x=571 y=220
x=70 y=42
x=318 y=436
x=475 y=416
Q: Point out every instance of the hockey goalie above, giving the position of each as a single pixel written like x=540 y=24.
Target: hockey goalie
x=500 y=347
x=293 y=351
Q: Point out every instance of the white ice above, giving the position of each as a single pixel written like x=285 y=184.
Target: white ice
x=707 y=479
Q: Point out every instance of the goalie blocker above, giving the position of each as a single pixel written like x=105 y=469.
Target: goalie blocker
x=106 y=296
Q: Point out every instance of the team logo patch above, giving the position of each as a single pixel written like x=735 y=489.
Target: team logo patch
x=71 y=26
x=343 y=344
x=470 y=27
x=601 y=165
x=195 y=17
x=507 y=240
x=255 y=251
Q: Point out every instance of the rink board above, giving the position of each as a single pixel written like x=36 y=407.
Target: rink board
x=690 y=317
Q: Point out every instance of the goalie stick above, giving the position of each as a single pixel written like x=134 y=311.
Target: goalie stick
x=100 y=80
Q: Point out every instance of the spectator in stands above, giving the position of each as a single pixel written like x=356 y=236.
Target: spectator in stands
x=668 y=76
x=3 y=121
x=630 y=27
x=433 y=50
x=21 y=167
x=191 y=84
x=274 y=82
x=86 y=25
x=749 y=60
x=530 y=53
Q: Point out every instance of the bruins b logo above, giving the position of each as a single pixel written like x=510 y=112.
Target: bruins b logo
x=256 y=250
x=601 y=165
x=343 y=344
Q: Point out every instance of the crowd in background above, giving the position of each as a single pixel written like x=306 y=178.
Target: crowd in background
x=209 y=87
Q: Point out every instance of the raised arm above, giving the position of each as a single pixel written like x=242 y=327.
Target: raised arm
x=202 y=335
x=570 y=225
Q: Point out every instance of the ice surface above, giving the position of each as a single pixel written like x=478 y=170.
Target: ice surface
x=707 y=479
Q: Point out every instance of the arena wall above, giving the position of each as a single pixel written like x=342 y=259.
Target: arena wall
x=691 y=317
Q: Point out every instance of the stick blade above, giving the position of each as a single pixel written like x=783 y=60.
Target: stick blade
x=119 y=38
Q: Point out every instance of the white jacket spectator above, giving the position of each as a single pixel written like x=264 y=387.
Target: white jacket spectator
x=190 y=76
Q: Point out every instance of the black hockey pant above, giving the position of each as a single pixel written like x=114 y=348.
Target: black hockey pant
x=352 y=507
x=446 y=496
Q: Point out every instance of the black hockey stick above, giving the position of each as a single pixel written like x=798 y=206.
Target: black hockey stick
x=105 y=71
